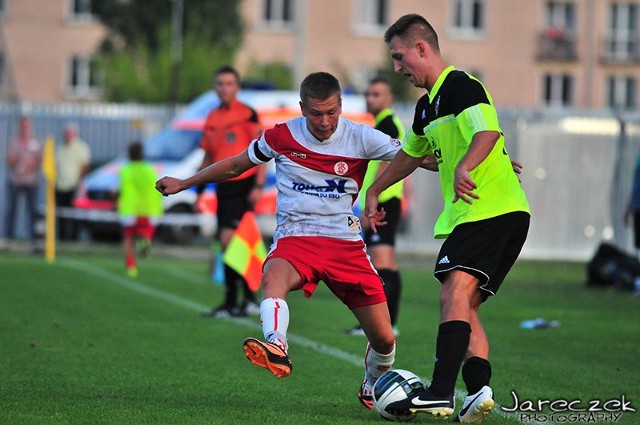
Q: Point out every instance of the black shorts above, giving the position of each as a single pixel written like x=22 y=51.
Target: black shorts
x=386 y=234
x=485 y=249
x=233 y=201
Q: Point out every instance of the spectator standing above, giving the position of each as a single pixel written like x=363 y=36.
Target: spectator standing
x=73 y=158
x=24 y=164
x=228 y=130
x=381 y=245
x=139 y=206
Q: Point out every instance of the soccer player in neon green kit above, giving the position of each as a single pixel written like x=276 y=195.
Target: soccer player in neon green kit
x=485 y=219
x=139 y=205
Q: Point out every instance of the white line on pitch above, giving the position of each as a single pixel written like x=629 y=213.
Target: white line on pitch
x=141 y=288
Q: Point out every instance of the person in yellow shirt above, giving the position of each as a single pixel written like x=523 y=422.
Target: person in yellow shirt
x=73 y=158
x=139 y=205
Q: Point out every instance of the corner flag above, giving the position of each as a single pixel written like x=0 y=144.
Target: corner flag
x=246 y=251
x=49 y=170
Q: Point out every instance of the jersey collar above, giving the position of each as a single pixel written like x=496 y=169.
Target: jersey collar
x=382 y=115
x=439 y=81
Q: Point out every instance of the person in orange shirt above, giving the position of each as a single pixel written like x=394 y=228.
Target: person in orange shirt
x=228 y=130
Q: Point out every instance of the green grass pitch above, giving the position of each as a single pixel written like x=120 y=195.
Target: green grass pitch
x=80 y=343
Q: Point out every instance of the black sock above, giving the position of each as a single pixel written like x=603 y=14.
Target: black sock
x=230 y=287
x=451 y=346
x=476 y=373
x=249 y=295
x=392 y=289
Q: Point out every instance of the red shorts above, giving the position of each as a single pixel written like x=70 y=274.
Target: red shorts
x=342 y=265
x=142 y=226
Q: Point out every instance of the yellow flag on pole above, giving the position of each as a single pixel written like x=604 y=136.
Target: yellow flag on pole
x=50 y=172
x=246 y=251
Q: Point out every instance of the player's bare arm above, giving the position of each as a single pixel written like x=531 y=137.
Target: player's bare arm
x=400 y=167
x=480 y=147
x=220 y=171
x=430 y=163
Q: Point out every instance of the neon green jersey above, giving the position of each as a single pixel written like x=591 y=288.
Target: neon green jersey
x=389 y=123
x=457 y=107
x=138 y=194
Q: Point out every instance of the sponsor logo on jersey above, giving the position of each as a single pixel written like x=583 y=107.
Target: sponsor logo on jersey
x=299 y=155
x=341 y=168
x=332 y=189
x=354 y=223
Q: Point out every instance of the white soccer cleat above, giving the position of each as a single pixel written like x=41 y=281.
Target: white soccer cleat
x=476 y=406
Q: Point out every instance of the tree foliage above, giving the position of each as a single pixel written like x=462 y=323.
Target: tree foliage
x=137 y=60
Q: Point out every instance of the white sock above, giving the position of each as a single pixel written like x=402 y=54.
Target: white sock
x=376 y=364
x=274 y=316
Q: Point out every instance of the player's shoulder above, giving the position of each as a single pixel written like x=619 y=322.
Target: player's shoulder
x=460 y=82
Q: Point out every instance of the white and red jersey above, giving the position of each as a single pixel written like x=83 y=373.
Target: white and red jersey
x=318 y=182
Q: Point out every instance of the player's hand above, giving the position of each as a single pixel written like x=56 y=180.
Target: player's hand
x=463 y=186
x=254 y=195
x=517 y=168
x=169 y=185
x=376 y=218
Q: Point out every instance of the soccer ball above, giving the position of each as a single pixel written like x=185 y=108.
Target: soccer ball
x=395 y=385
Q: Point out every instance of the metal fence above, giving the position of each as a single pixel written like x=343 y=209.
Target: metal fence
x=578 y=168
x=578 y=171
x=107 y=128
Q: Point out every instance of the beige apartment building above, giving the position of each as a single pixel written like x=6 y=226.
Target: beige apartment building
x=46 y=50
x=570 y=53
x=580 y=53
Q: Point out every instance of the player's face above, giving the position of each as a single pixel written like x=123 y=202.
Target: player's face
x=227 y=87
x=378 y=97
x=407 y=59
x=322 y=116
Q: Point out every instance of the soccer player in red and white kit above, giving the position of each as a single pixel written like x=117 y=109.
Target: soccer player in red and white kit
x=321 y=160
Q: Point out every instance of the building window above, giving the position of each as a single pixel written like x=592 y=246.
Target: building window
x=80 y=10
x=371 y=16
x=278 y=13
x=468 y=17
x=621 y=92
x=84 y=77
x=622 y=35
x=557 y=40
x=558 y=90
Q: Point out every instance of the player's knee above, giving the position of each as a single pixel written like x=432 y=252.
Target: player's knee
x=383 y=343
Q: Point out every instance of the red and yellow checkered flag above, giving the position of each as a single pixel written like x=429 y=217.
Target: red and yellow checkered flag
x=246 y=251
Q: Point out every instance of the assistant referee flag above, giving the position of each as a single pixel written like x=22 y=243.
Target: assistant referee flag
x=246 y=251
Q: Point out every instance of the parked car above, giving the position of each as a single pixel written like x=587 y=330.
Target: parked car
x=175 y=151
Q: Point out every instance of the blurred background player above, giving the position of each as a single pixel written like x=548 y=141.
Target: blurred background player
x=228 y=130
x=139 y=206
x=73 y=158
x=381 y=245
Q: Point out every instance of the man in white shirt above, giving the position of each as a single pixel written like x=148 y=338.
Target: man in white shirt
x=73 y=158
